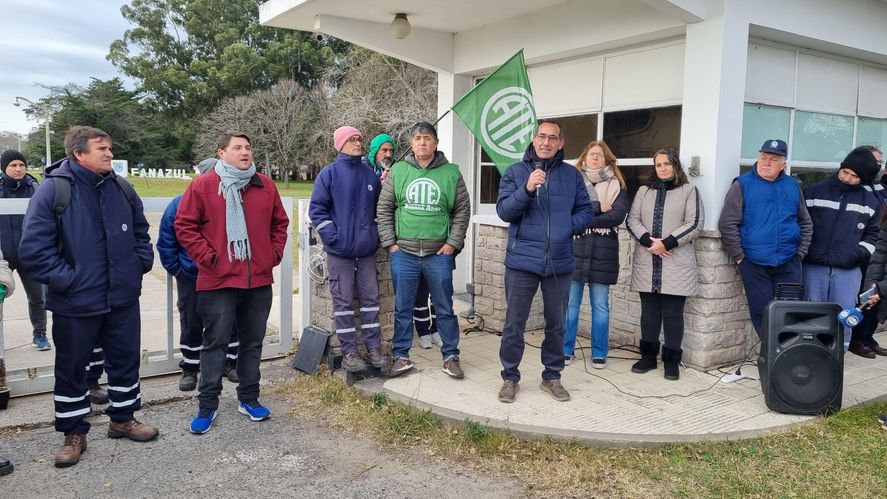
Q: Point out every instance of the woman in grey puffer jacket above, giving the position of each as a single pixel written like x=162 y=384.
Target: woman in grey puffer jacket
x=664 y=220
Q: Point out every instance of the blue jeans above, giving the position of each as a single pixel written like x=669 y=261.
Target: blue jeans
x=599 y=296
x=406 y=269
x=824 y=283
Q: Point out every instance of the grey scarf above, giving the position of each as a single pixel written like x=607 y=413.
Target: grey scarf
x=232 y=183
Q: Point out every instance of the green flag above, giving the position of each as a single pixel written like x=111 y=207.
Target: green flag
x=500 y=112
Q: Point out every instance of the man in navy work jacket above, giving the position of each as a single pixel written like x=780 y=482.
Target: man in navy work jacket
x=766 y=228
x=545 y=201
x=92 y=266
x=343 y=208
x=845 y=230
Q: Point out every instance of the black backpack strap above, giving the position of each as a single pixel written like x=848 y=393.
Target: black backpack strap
x=128 y=190
x=60 y=203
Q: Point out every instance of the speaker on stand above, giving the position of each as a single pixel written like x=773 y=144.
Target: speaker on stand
x=801 y=364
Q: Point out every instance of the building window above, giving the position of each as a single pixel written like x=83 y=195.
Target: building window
x=640 y=132
x=871 y=132
x=808 y=176
x=760 y=123
x=578 y=131
x=821 y=137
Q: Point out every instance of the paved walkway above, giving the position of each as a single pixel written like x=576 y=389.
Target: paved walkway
x=611 y=406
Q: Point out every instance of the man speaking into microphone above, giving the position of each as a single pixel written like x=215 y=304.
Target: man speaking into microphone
x=545 y=202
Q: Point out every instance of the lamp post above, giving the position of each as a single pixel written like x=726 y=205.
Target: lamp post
x=46 y=117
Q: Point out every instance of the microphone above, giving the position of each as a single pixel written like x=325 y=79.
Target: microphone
x=538 y=166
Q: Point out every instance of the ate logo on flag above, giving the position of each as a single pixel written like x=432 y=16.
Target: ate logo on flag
x=504 y=121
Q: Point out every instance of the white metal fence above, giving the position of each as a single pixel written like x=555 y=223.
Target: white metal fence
x=40 y=378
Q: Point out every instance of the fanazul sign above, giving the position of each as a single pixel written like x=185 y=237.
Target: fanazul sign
x=500 y=112
x=157 y=173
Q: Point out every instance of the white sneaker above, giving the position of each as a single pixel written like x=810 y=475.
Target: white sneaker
x=425 y=341
x=598 y=362
x=435 y=338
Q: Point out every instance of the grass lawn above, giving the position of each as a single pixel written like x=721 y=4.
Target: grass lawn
x=171 y=187
x=839 y=456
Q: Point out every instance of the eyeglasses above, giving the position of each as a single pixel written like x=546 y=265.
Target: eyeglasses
x=595 y=154
x=354 y=140
x=541 y=137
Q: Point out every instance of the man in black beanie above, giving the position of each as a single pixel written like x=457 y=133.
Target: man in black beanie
x=845 y=230
x=15 y=182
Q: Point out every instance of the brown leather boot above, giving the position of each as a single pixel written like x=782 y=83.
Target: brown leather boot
x=133 y=430
x=69 y=455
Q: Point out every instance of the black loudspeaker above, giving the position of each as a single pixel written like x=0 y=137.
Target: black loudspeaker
x=801 y=364
x=312 y=345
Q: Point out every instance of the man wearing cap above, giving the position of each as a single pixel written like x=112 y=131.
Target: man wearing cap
x=423 y=216
x=232 y=223
x=343 y=204
x=766 y=228
x=182 y=267
x=845 y=230
x=15 y=182
x=381 y=155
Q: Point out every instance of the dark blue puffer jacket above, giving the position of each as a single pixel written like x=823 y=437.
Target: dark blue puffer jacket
x=343 y=207
x=173 y=256
x=106 y=246
x=542 y=225
x=845 y=223
x=11 y=225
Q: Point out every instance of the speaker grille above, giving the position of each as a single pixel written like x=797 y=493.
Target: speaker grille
x=806 y=376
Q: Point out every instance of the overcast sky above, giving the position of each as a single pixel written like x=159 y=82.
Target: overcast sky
x=53 y=42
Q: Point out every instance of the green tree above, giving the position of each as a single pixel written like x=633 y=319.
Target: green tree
x=136 y=135
x=189 y=55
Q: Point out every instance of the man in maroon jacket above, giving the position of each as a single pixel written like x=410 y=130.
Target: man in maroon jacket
x=232 y=223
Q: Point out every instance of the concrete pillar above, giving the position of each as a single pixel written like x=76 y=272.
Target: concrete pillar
x=714 y=91
x=456 y=143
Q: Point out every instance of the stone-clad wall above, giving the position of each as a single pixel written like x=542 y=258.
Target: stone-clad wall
x=717 y=329
x=322 y=303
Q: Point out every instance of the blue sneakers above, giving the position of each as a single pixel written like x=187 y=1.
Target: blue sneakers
x=253 y=409
x=202 y=421
x=41 y=343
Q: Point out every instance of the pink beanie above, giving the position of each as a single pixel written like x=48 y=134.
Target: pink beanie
x=342 y=134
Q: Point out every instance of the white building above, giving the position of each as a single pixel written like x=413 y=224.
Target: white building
x=711 y=77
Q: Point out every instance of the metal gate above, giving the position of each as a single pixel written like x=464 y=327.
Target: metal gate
x=156 y=361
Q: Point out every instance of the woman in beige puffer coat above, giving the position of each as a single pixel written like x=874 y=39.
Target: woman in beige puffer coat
x=664 y=220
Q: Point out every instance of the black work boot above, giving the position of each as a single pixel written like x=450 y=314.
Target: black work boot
x=649 y=351
x=671 y=359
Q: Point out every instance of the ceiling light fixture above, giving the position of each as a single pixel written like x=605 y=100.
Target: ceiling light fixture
x=400 y=26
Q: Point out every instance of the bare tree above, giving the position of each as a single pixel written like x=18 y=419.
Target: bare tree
x=236 y=113
x=292 y=126
x=379 y=94
x=281 y=121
